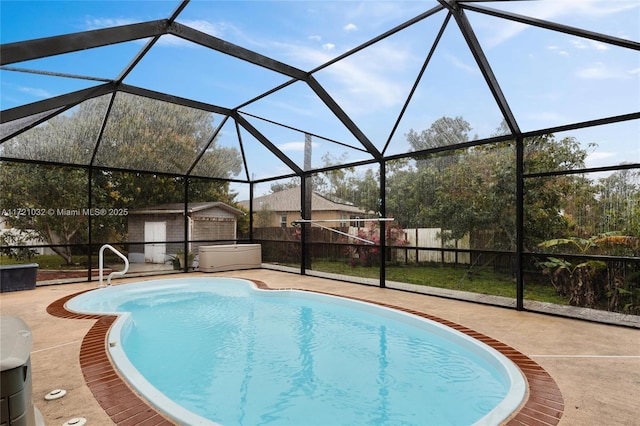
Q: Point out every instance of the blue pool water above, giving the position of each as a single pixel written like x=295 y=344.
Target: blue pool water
x=218 y=350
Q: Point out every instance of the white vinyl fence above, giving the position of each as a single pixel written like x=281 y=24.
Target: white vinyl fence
x=14 y=236
x=431 y=237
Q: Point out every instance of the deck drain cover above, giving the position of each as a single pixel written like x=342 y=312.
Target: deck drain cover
x=76 y=421
x=55 y=394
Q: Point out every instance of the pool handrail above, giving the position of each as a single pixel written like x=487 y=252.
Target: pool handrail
x=101 y=264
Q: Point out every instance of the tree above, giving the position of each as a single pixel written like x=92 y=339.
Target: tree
x=47 y=200
x=483 y=195
x=140 y=134
x=365 y=190
x=477 y=194
x=474 y=189
x=333 y=184
x=619 y=202
x=558 y=205
x=411 y=196
x=283 y=186
x=445 y=131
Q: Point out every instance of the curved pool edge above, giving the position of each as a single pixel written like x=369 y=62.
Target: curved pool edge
x=136 y=380
x=517 y=392
x=542 y=402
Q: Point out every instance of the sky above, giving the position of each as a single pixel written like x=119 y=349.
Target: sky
x=548 y=78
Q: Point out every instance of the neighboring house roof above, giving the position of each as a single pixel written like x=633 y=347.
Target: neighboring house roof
x=178 y=208
x=289 y=200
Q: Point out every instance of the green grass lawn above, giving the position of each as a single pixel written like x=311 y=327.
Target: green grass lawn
x=53 y=261
x=476 y=280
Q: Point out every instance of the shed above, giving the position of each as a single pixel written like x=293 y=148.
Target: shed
x=157 y=226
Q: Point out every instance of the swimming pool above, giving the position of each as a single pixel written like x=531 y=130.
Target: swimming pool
x=218 y=350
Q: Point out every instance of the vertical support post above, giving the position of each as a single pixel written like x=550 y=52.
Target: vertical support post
x=519 y=222
x=251 y=213
x=306 y=208
x=305 y=261
x=383 y=224
x=90 y=174
x=89 y=222
x=185 y=267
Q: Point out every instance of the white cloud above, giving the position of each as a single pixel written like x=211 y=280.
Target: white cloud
x=558 y=50
x=599 y=71
x=554 y=11
x=598 y=46
x=595 y=72
x=546 y=117
x=595 y=159
x=315 y=37
x=371 y=82
x=503 y=32
x=598 y=156
x=171 y=40
x=198 y=24
x=307 y=55
x=579 y=44
x=214 y=29
x=585 y=8
x=328 y=46
x=589 y=44
x=382 y=14
x=594 y=8
x=295 y=146
x=33 y=91
x=350 y=27
x=206 y=27
x=456 y=62
x=364 y=84
x=97 y=23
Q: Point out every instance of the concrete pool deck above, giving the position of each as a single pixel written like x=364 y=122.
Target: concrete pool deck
x=596 y=366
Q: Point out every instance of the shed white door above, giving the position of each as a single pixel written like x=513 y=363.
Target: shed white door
x=155 y=233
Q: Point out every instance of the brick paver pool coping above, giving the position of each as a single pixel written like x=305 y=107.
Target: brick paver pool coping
x=544 y=404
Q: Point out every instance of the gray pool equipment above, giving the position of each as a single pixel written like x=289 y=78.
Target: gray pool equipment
x=18 y=277
x=16 y=399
